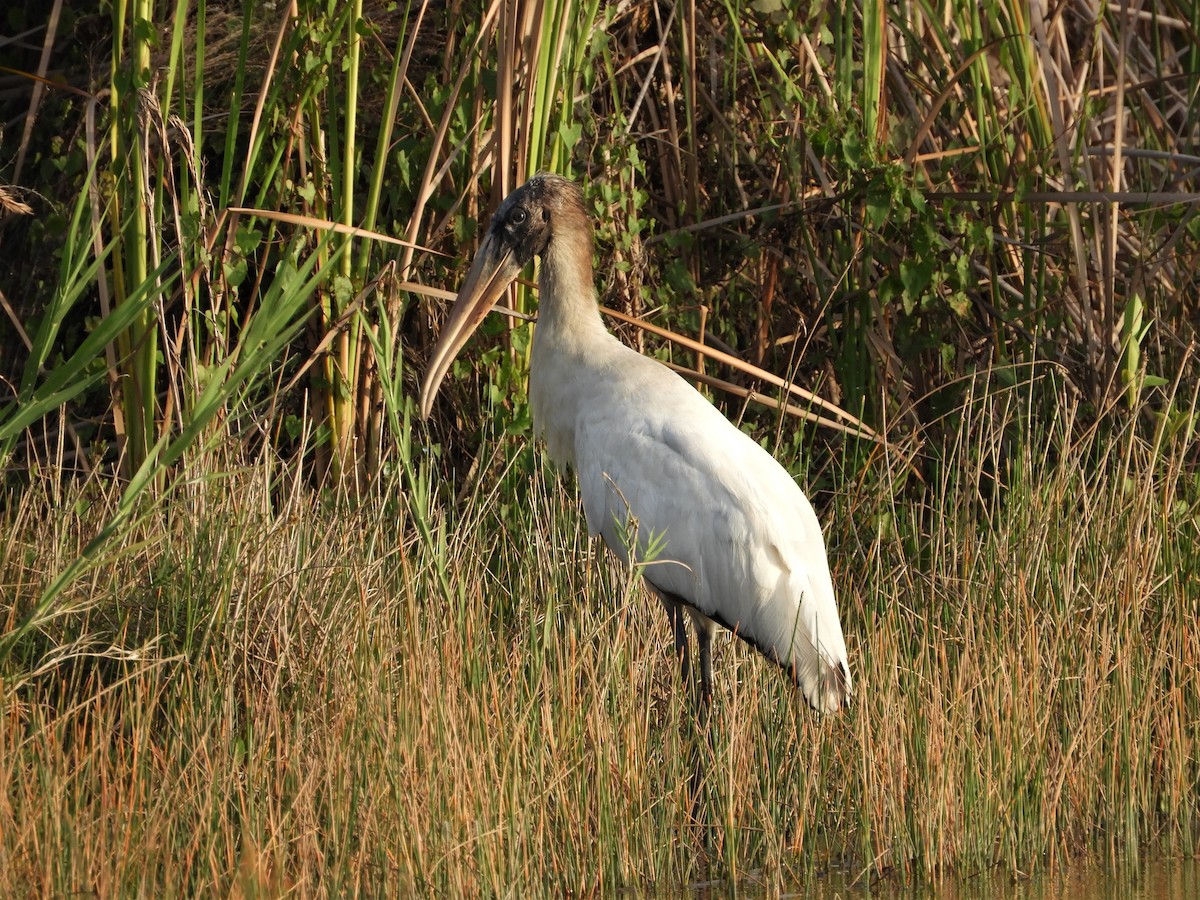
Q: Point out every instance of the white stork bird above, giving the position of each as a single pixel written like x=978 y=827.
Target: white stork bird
x=740 y=544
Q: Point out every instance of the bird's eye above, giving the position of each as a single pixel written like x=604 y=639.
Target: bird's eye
x=517 y=216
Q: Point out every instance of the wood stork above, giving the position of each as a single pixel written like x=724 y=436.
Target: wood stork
x=740 y=545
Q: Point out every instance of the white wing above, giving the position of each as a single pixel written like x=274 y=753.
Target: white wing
x=739 y=541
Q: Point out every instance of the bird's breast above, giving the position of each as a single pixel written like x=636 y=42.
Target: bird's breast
x=578 y=370
x=555 y=389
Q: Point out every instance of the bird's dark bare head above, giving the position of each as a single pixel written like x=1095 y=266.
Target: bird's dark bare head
x=535 y=213
x=546 y=212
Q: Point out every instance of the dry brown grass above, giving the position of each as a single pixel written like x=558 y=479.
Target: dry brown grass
x=261 y=695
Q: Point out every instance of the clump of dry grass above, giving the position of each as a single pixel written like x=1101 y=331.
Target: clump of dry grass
x=263 y=693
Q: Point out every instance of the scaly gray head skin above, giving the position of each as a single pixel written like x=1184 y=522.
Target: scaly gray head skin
x=521 y=229
x=531 y=215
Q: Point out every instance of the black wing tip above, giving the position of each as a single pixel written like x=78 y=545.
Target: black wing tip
x=833 y=692
x=836 y=684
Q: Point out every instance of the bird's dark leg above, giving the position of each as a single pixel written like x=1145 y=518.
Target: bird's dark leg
x=704 y=637
x=676 y=615
x=702 y=696
x=677 y=611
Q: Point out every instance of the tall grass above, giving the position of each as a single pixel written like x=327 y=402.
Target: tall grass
x=278 y=694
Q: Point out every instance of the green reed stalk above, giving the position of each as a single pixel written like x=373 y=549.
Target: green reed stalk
x=133 y=24
x=874 y=66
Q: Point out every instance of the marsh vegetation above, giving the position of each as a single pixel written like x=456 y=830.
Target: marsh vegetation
x=262 y=632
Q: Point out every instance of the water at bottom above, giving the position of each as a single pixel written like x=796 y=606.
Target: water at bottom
x=1156 y=878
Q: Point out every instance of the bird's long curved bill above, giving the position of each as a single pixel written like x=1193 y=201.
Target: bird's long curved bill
x=493 y=270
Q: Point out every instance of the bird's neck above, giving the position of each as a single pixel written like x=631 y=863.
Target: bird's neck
x=567 y=310
x=571 y=346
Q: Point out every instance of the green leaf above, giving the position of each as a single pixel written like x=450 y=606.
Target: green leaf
x=879 y=207
x=915 y=276
x=947 y=353
x=247 y=239
x=852 y=151
x=144 y=30
x=889 y=288
x=235 y=270
x=343 y=290
x=569 y=133
x=960 y=303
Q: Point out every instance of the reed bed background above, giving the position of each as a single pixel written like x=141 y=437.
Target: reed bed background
x=262 y=633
